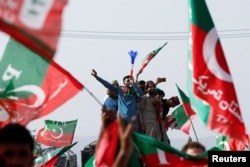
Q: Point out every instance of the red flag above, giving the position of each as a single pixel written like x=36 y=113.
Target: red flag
x=107 y=146
x=36 y=24
x=57 y=133
x=236 y=145
x=210 y=85
x=31 y=86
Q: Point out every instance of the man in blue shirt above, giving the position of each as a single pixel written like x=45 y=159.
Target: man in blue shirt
x=127 y=96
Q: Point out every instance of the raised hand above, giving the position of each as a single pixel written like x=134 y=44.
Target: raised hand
x=94 y=73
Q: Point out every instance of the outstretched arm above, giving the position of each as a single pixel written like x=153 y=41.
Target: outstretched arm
x=104 y=82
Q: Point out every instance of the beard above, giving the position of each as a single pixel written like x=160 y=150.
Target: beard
x=151 y=92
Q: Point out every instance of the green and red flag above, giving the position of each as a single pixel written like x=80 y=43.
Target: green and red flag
x=182 y=121
x=159 y=154
x=229 y=144
x=210 y=85
x=150 y=56
x=107 y=148
x=35 y=24
x=185 y=102
x=57 y=133
x=50 y=158
x=31 y=86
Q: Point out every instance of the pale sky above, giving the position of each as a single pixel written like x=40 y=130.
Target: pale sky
x=98 y=35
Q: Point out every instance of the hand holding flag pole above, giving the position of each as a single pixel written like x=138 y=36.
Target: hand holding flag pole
x=133 y=55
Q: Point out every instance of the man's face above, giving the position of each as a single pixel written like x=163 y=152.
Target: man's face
x=194 y=151
x=16 y=155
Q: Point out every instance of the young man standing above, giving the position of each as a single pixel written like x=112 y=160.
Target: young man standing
x=127 y=97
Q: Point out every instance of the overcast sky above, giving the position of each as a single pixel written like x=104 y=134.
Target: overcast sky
x=98 y=35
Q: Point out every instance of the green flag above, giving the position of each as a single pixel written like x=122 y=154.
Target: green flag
x=50 y=158
x=160 y=154
x=57 y=133
x=182 y=121
x=186 y=102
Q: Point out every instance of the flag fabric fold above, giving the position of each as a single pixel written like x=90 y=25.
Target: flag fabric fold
x=149 y=57
x=57 y=133
x=159 y=154
x=35 y=24
x=210 y=85
x=31 y=86
x=51 y=157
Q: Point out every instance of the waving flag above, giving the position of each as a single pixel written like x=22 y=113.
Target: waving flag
x=57 y=133
x=159 y=154
x=186 y=102
x=149 y=57
x=182 y=121
x=31 y=86
x=210 y=85
x=51 y=157
x=229 y=144
x=36 y=24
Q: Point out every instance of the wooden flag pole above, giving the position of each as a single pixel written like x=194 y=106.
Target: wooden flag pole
x=193 y=129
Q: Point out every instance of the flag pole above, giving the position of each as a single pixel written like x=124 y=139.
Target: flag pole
x=193 y=128
x=98 y=101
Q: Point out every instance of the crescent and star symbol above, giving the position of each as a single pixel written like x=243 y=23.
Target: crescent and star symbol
x=209 y=56
x=60 y=134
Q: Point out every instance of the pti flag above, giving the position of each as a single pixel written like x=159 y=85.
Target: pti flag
x=36 y=24
x=182 y=121
x=229 y=144
x=149 y=57
x=159 y=154
x=210 y=85
x=185 y=102
x=31 y=86
x=57 y=133
x=50 y=158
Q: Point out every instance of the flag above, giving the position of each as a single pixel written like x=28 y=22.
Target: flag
x=185 y=102
x=182 y=121
x=50 y=158
x=159 y=154
x=210 y=85
x=149 y=57
x=229 y=144
x=57 y=133
x=31 y=86
x=107 y=146
x=35 y=24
